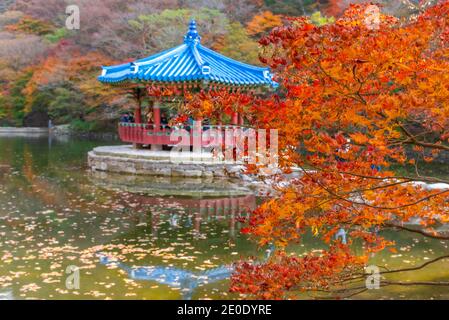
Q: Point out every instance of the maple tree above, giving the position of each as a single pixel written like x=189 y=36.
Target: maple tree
x=64 y=85
x=355 y=100
x=334 y=7
x=238 y=45
x=263 y=22
x=31 y=26
x=400 y=8
x=216 y=104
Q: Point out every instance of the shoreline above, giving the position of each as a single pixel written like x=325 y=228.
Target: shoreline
x=60 y=130
x=24 y=130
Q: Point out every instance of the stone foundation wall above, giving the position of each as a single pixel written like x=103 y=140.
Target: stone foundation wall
x=139 y=166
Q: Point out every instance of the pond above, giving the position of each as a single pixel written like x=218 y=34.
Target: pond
x=139 y=238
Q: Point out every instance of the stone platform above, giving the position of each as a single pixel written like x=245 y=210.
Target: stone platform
x=126 y=159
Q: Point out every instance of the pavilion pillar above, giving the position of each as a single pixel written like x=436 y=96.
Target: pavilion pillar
x=235 y=118
x=157 y=114
x=138 y=94
x=157 y=123
x=241 y=120
x=196 y=134
x=138 y=113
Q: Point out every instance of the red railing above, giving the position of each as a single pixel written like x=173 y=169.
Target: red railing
x=182 y=136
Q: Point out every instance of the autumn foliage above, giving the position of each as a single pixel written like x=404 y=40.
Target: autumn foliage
x=75 y=68
x=356 y=101
x=283 y=273
x=216 y=104
x=263 y=22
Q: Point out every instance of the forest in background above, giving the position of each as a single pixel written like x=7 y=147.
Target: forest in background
x=47 y=70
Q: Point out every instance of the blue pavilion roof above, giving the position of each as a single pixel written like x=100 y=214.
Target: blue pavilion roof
x=187 y=62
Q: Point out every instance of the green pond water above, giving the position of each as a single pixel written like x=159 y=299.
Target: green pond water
x=141 y=238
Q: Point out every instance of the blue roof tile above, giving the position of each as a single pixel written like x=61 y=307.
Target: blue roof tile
x=189 y=61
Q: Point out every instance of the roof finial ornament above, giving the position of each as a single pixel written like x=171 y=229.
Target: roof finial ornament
x=192 y=35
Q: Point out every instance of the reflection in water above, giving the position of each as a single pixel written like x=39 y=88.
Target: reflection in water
x=341 y=234
x=187 y=281
x=54 y=213
x=195 y=213
x=170 y=186
x=6 y=295
x=185 y=214
x=203 y=210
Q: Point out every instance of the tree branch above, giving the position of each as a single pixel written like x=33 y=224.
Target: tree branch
x=412 y=140
x=421 y=232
